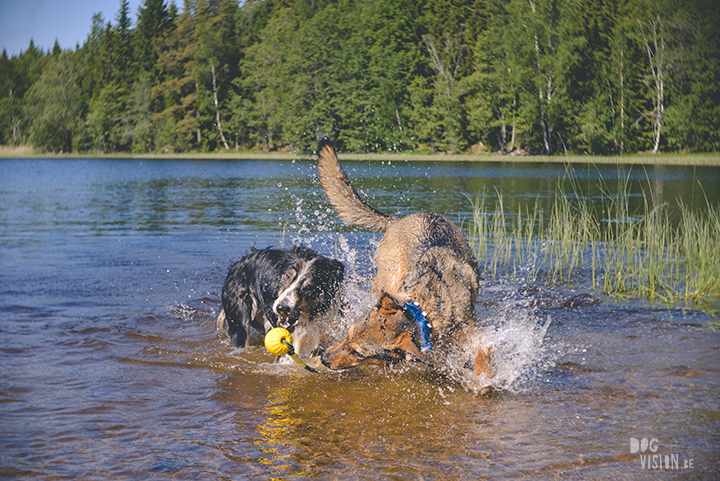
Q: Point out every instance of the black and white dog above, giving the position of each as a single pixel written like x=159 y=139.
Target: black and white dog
x=292 y=288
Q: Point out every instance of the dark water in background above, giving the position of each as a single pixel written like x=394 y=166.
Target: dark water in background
x=110 y=366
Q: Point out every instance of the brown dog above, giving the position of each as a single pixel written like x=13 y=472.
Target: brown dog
x=422 y=260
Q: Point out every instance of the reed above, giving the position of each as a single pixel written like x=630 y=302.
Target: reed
x=622 y=253
x=699 y=245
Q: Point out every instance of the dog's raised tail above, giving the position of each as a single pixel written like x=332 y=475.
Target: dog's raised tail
x=351 y=208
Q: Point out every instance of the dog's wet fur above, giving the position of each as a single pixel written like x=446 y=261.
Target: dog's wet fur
x=297 y=289
x=423 y=257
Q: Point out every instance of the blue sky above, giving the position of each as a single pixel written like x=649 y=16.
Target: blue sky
x=45 y=20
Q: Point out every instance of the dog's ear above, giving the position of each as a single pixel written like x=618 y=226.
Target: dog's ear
x=338 y=267
x=331 y=271
x=388 y=305
x=338 y=273
x=305 y=253
x=331 y=265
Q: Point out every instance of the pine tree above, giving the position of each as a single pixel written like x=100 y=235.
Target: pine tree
x=178 y=91
x=122 y=47
x=153 y=19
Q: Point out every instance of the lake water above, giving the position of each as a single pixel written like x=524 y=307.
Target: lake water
x=111 y=367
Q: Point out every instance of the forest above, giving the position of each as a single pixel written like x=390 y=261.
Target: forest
x=596 y=77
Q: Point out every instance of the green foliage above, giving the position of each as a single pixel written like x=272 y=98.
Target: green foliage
x=542 y=76
x=52 y=105
x=693 y=117
x=104 y=119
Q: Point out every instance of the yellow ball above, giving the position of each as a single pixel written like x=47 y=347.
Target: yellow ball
x=273 y=341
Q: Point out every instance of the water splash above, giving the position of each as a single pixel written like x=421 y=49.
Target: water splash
x=519 y=352
x=515 y=344
x=514 y=334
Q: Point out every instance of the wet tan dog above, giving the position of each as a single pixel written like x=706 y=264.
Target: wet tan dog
x=423 y=259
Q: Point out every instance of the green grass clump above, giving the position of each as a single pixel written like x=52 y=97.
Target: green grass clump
x=630 y=254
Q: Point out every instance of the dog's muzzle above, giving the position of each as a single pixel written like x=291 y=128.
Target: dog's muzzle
x=286 y=318
x=286 y=309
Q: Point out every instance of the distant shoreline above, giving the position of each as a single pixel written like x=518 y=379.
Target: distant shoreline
x=705 y=159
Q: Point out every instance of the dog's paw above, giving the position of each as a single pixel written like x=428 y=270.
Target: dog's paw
x=481 y=388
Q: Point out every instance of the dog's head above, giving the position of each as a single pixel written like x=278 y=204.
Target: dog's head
x=308 y=285
x=386 y=335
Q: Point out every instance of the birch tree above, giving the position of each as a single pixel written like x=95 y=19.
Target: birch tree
x=655 y=47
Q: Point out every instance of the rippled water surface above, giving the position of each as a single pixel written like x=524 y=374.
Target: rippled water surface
x=111 y=368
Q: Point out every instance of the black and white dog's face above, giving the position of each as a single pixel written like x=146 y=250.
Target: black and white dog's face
x=307 y=287
x=277 y=287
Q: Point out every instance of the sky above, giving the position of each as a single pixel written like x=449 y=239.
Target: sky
x=68 y=21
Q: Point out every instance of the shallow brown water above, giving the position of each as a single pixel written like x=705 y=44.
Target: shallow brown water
x=112 y=369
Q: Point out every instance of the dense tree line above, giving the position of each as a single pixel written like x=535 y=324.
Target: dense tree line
x=542 y=76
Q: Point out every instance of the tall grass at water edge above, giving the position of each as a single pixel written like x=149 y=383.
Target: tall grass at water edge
x=629 y=254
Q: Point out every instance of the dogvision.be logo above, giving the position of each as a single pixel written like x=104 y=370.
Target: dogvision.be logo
x=653 y=460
